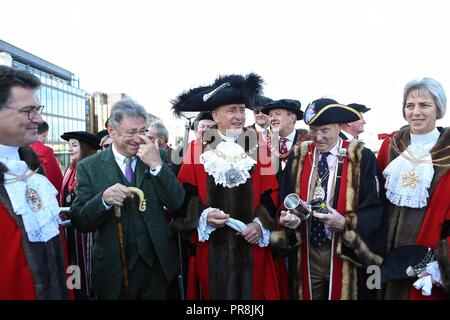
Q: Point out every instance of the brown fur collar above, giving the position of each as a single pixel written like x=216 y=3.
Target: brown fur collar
x=402 y=140
x=443 y=259
x=350 y=236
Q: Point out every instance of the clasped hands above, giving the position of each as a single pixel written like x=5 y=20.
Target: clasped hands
x=252 y=233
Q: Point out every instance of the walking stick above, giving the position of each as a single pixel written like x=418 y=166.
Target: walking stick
x=188 y=116
x=118 y=213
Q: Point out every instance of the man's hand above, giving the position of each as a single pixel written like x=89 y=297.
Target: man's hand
x=425 y=273
x=334 y=221
x=253 y=233
x=217 y=218
x=148 y=152
x=289 y=220
x=116 y=195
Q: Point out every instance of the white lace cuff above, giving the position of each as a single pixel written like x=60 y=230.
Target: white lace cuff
x=433 y=269
x=203 y=228
x=425 y=284
x=264 y=241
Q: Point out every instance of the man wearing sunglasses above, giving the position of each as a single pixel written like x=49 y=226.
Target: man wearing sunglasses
x=31 y=254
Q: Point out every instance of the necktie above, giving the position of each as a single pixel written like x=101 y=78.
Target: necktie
x=283 y=146
x=128 y=170
x=317 y=234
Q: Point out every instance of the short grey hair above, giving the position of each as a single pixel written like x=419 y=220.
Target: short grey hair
x=161 y=130
x=433 y=87
x=126 y=108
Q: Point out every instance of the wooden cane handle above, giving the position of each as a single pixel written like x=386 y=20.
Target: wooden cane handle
x=140 y=194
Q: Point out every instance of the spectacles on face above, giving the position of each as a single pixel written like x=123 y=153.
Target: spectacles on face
x=256 y=111
x=106 y=145
x=31 y=111
x=130 y=134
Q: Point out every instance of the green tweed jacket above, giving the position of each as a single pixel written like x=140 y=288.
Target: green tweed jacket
x=97 y=173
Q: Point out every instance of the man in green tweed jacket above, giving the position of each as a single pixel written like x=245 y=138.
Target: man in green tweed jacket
x=151 y=259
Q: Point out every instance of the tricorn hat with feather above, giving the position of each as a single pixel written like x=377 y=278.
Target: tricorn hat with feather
x=228 y=89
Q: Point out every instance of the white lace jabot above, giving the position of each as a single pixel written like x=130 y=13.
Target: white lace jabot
x=228 y=164
x=409 y=176
x=41 y=215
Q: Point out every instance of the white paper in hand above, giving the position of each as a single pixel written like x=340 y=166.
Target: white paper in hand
x=237 y=225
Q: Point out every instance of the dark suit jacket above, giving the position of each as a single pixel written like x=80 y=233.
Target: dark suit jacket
x=284 y=175
x=97 y=173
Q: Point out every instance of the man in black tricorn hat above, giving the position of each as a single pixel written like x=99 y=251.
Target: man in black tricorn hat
x=229 y=205
x=352 y=130
x=336 y=245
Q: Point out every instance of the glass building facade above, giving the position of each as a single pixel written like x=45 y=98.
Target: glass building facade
x=66 y=109
x=67 y=106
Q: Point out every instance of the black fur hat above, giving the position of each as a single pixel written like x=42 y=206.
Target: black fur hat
x=228 y=89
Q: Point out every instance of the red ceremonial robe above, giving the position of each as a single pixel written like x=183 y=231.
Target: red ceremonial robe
x=16 y=281
x=49 y=163
x=429 y=235
x=438 y=211
x=264 y=276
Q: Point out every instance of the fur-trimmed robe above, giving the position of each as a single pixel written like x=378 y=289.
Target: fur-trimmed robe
x=429 y=226
x=28 y=270
x=227 y=266
x=359 y=201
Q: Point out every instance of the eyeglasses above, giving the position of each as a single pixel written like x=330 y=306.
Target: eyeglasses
x=256 y=111
x=106 y=145
x=31 y=111
x=131 y=134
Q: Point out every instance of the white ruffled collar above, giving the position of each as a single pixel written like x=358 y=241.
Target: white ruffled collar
x=33 y=197
x=228 y=164
x=408 y=177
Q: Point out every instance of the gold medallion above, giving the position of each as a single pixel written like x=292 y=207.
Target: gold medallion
x=319 y=193
x=410 y=179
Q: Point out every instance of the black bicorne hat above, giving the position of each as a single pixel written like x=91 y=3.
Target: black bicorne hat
x=288 y=104
x=405 y=262
x=83 y=136
x=325 y=111
x=229 y=89
x=359 y=107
